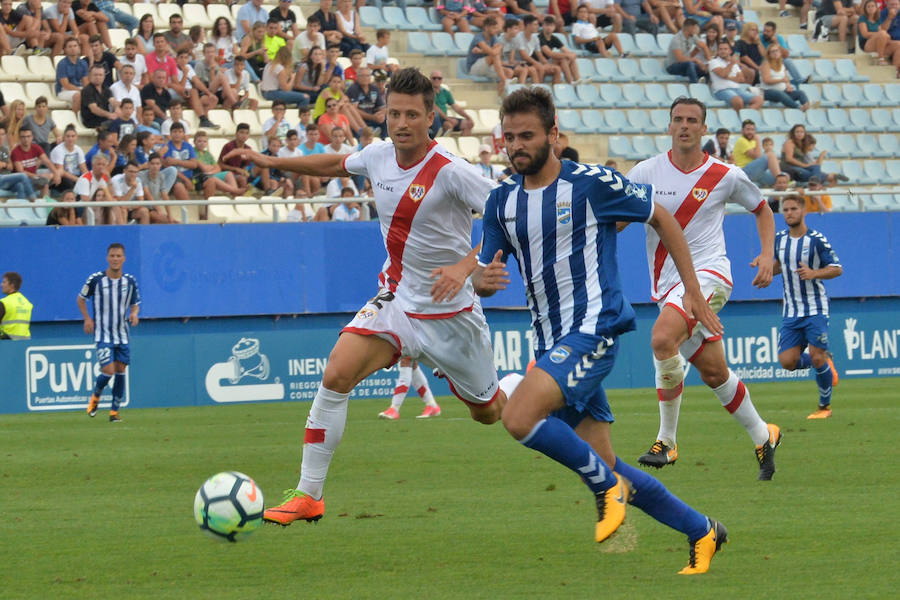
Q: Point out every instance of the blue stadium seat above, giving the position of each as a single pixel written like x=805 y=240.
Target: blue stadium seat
x=880 y=202
x=443 y=45
x=824 y=70
x=614 y=121
x=647 y=46
x=831 y=95
x=593 y=120
x=676 y=90
x=838 y=120
x=712 y=121
x=397 y=18
x=569 y=43
x=630 y=69
x=418 y=16
x=773 y=120
x=755 y=116
x=799 y=47
x=884 y=120
x=844 y=146
x=607 y=70
x=892 y=93
x=370 y=16
x=889 y=144
x=564 y=96
x=812 y=92
x=860 y=119
x=656 y=95
x=659 y=120
x=875 y=170
x=637 y=120
x=824 y=142
x=633 y=93
x=846 y=69
x=611 y=96
x=895 y=115
x=570 y=120
x=751 y=16
x=462 y=40
x=6 y=220
x=627 y=41
x=653 y=71
x=418 y=42
x=620 y=145
x=729 y=120
x=843 y=203
x=586 y=69
x=853 y=95
x=817 y=120
x=892 y=166
x=804 y=67
x=463 y=72
x=853 y=169
x=664 y=40
x=644 y=147
x=19 y=211
x=663 y=143
x=701 y=92
x=874 y=95
x=588 y=94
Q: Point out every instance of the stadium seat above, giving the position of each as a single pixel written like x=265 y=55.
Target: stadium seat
x=443 y=45
x=222 y=118
x=653 y=71
x=489 y=116
x=213 y=12
x=395 y=16
x=462 y=40
x=676 y=90
x=118 y=36
x=755 y=116
x=831 y=95
x=824 y=142
x=164 y=11
x=15 y=91
x=570 y=120
x=861 y=121
x=843 y=203
x=646 y=45
x=875 y=170
x=823 y=70
x=633 y=93
x=895 y=115
x=889 y=144
x=251 y=118
x=663 y=143
x=846 y=70
x=419 y=42
x=701 y=92
x=191 y=117
x=630 y=69
x=588 y=94
x=892 y=93
x=221 y=213
x=66 y=117
x=877 y=202
x=751 y=16
x=837 y=120
x=817 y=120
x=892 y=166
x=571 y=45
x=35 y=89
x=620 y=145
x=608 y=70
x=853 y=95
x=251 y=213
x=468 y=146
x=463 y=73
x=799 y=47
x=773 y=120
x=663 y=40
x=873 y=95
x=42 y=68
x=729 y=120
x=148 y=8
x=565 y=97
x=418 y=16
x=611 y=96
x=127 y=8
x=812 y=92
x=659 y=120
x=656 y=95
x=449 y=143
x=13 y=68
x=197 y=14
x=853 y=169
x=844 y=146
x=235 y=7
x=586 y=69
x=20 y=211
x=712 y=120
x=804 y=67
x=638 y=121
x=370 y=16
x=644 y=147
x=595 y=121
x=628 y=45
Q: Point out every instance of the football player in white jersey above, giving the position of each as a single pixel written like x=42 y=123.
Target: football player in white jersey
x=426 y=308
x=694 y=187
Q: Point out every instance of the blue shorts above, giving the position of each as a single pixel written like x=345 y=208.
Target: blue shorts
x=578 y=363
x=107 y=353
x=803 y=331
x=727 y=94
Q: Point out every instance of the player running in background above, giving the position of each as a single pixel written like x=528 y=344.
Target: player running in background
x=559 y=220
x=425 y=198
x=804 y=258
x=410 y=373
x=694 y=187
x=116 y=301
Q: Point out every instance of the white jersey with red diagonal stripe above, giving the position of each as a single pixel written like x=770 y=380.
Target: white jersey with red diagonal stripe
x=697 y=201
x=425 y=211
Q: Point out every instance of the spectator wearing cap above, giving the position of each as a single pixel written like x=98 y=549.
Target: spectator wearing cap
x=684 y=57
x=820 y=203
x=719 y=147
x=488 y=170
x=443 y=102
x=730 y=30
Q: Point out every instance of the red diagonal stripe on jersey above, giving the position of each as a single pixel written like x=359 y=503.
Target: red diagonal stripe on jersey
x=689 y=207
x=401 y=223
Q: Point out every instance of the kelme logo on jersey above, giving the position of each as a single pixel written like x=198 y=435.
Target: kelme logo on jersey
x=560 y=354
x=699 y=194
x=62 y=377
x=417 y=191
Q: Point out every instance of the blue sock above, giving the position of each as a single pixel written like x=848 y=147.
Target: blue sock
x=824 y=380
x=557 y=440
x=118 y=391
x=102 y=380
x=804 y=362
x=653 y=498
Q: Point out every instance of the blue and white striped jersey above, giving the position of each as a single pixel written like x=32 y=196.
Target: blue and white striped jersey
x=113 y=299
x=564 y=238
x=803 y=298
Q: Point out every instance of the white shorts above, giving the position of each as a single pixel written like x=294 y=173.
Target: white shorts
x=459 y=346
x=67 y=95
x=717 y=290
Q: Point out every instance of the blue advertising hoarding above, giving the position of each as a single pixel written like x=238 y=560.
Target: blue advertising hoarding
x=254 y=359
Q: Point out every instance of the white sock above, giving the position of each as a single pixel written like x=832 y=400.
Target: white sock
x=669 y=385
x=736 y=400
x=324 y=430
x=510 y=382
x=420 y=382
x=401 y=387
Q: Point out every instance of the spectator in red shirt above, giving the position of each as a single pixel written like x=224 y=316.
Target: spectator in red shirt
x=236 y=164
x=27 y=156
x=160 y=57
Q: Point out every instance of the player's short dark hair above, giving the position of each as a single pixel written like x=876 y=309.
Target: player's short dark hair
x=14 y=279
x=689 y=101
x=412 y=82
x=243 y=127
x=531 y=100
x=722 y=131
x=115 y=245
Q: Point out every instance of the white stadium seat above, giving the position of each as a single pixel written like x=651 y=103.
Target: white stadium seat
x=42 y=68
x=195 y=14
x=14 y=68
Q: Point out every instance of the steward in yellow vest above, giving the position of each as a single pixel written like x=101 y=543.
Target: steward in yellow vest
x=15 y=309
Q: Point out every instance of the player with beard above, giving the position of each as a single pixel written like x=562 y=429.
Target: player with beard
x=558 y=218
x=425 y=309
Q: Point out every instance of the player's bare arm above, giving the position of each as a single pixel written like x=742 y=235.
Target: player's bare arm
x=805 y=272
x=133 y=317
x=88 y=321
x=452 y=278
x=765 y=225
x=323 y=165
x=491 y=278
x=672 y=237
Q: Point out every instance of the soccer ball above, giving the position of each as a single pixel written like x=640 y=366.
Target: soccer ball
x=228 y=506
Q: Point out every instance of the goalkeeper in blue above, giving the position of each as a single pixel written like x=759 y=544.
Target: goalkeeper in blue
x=558 y=219
x=804 y=258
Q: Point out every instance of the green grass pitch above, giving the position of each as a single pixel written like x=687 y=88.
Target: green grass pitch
x=447 y=508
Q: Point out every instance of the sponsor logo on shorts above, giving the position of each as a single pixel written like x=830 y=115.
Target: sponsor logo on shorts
x=560 y=354
x=366 y=313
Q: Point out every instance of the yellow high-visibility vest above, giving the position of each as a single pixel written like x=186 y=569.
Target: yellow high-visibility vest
x=16 y=323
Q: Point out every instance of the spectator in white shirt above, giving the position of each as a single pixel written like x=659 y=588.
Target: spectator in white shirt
x=140 y=76
x=377 y=54
x=127 y=187
x=125 y=88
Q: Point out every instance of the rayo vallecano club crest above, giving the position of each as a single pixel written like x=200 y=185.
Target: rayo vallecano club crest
x=416 y=192
x=699 y=194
